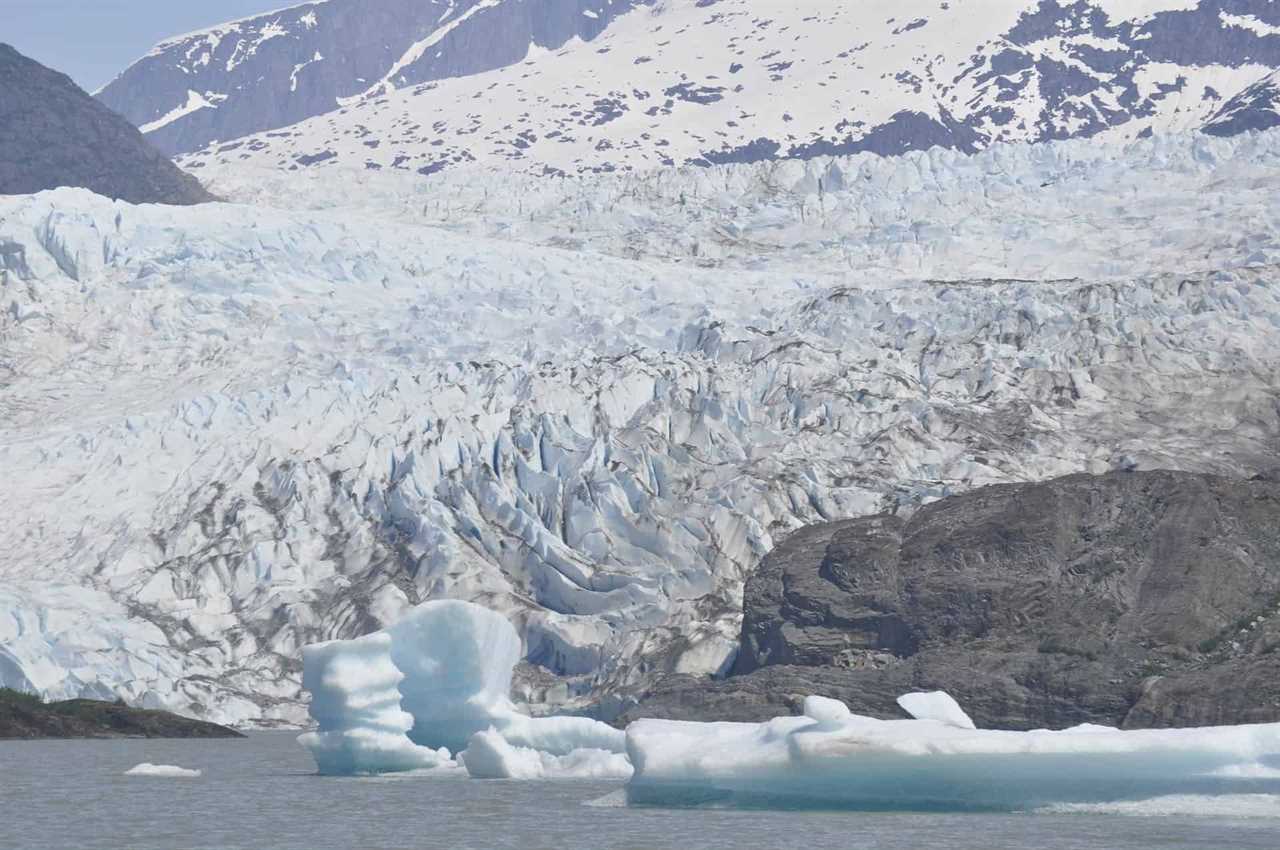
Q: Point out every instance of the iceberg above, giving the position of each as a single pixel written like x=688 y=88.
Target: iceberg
x=355 y=701
x=831 y=758
x=433 y=690
x=491 y=756
x=934 y=705
x=162 y=771
x=435 y=683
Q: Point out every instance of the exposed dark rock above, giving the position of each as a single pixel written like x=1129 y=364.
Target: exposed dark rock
x=1134 y=599
x=26 y=716
x=282 y=67
x=1255 y=108
x=54 y=134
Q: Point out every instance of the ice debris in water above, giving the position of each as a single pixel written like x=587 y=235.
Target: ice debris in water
x=831 y=758
x=164 y=771
x=355 y=701
x=491 y=756
x=935 y=705
x=435 y=683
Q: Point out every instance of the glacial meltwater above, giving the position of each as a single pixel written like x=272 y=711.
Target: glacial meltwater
x=264 y=793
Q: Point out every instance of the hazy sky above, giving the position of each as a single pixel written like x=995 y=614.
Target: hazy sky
x=93 y=40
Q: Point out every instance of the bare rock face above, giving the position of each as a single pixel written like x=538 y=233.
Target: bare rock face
x=53 y=134
x=1134 y=599
x=1255 y=108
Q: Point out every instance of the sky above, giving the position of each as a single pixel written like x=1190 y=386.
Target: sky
x=94 y=40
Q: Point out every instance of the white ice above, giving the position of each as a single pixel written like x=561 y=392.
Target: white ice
x=831 y=758
x=936 y=705
x=164 y=771
x=432 y=684
x=581 y=402
x=355 y=701
x=491 y=756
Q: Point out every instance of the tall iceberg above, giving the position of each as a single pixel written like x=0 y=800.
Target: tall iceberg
x=831 y=758
x=409 y=696
x=355 y=701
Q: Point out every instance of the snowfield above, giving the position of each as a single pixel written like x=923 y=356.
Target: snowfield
x=591 y=404
x=688 y=81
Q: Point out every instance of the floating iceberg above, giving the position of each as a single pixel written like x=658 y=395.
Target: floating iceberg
x=163 y=771
x=491 y=756
x=436 y=683
x=355 y=701
x=831 y=758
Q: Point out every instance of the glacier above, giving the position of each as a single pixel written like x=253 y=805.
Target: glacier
x=437 y=682
x=591 y=404
x=831 y=758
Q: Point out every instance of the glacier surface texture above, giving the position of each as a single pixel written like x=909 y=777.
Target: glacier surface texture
x=591 y=404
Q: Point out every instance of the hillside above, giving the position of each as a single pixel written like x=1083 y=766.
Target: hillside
x=52 y=134
x=26 y=716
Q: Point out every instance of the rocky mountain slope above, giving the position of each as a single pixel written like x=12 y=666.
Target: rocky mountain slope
x=53 y=134
x=592 y=404
x=269 y=71
x=1255 y=108
x=567 y=86
x=1131 y=599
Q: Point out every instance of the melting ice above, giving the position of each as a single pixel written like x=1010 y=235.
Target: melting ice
x=436 y=684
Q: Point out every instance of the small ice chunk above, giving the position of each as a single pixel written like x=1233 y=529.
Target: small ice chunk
x=826 y=711
x=935 y=705
x=165 y=771
x=490 y=756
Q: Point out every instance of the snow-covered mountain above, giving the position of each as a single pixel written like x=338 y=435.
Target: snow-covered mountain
x=576 y=85
x=1255 y=108
x=590 y=403
x=268 y=71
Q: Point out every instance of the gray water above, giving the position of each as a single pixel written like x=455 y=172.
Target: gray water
x=263 y=793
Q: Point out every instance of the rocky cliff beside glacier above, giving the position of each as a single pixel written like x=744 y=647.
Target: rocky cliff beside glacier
x=1131 y=599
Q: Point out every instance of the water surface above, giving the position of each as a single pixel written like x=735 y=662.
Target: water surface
x=263 y=793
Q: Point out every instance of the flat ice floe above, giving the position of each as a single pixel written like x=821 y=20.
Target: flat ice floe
x=162 y=771
x=831 y=758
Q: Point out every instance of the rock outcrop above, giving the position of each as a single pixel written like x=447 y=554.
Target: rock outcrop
x=1134 y=599
x=53 y=134
x=26 y=716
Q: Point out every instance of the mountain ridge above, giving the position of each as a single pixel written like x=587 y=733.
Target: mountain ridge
x=53 y=134
x=619 y=86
